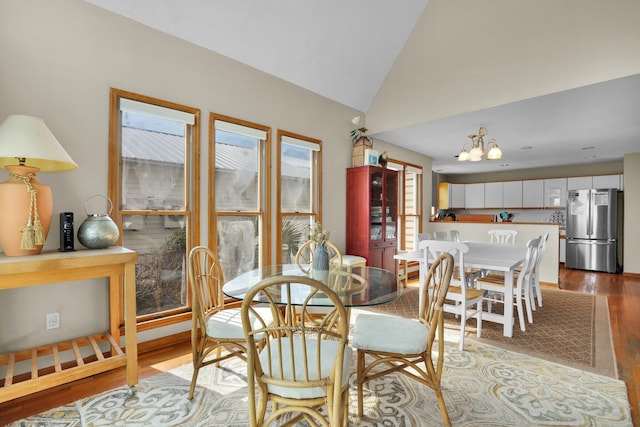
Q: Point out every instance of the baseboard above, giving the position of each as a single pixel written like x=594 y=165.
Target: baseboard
x=631 y=275
x=550 y=285
x=162 y=342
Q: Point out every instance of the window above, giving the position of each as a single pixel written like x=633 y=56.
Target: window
x=240 y=181
x=409 y=203
x=153 y=161
x=299 y=192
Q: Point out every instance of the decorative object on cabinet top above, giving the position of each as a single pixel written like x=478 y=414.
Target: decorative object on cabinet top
x=361 y=143
x=370 y=157
x=358 y=133
x=383 y=159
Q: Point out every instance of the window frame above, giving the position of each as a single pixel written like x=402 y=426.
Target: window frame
x=316 y=175
x=192 y=197
x=264 y=184
x=402 y=168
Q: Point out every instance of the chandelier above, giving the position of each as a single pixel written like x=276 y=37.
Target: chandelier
x=478 y=146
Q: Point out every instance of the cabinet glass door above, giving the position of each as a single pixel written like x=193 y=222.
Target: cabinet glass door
x=391 y=205
x=376 y=215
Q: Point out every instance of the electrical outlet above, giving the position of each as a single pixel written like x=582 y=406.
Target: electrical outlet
x=53 y=320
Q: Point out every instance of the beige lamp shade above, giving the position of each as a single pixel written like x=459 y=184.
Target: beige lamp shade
x=26 y=147
x=29 y=138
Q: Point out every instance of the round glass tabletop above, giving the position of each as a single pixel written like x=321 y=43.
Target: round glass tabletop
x=366 y=286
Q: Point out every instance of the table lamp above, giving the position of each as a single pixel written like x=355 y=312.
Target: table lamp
x=27 y=146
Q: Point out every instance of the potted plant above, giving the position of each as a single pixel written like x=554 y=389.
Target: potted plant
x=360 y=141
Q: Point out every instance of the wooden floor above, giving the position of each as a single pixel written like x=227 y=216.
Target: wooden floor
x=623 y=294
x=624 y=307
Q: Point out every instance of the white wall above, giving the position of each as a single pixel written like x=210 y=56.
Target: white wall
x=58 y=61
x=516 y=50
x=631 y=208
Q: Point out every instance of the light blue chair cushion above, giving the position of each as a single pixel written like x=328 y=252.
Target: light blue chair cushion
x=390 y=334
x=227 y=324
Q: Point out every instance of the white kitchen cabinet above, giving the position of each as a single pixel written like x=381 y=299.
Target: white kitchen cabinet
x=607 y=181
x=456 y=196
x=493 y=195
x=579 y=182
x=474 y=196
x=533 y=193
x=512 y=194
x=555 y=193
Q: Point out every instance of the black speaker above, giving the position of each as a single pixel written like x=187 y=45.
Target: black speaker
x=66 y=231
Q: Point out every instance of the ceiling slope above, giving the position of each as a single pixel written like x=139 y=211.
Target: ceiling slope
x=555 y=76
x=339 y=49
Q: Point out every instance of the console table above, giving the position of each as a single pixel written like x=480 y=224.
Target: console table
x=117 y=263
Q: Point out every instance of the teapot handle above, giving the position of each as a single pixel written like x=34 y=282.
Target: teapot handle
x=98 y=195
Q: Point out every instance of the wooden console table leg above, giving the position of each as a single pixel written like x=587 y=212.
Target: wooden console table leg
x=130 y=327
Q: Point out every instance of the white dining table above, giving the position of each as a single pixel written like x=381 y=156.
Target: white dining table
x=490 y=257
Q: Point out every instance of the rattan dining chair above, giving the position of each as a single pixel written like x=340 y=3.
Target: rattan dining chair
x=304 y=261
x=344 y=283
x=301 y=367
x=214 y=328
x=304 y=256
x=387 y=344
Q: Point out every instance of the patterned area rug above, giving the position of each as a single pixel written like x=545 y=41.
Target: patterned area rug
x=570 y=328
x=482 y=386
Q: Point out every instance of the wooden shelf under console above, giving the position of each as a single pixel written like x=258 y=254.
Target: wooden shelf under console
x=53 y=267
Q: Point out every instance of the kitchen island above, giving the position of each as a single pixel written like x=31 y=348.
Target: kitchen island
x=478 y=231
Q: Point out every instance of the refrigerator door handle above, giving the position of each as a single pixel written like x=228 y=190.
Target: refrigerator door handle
x=590 y=242
x=590 y=217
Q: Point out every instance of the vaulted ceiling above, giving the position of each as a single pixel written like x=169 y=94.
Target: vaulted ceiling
x=555 y=83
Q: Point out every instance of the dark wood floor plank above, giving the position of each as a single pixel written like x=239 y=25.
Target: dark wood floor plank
x=623 y=296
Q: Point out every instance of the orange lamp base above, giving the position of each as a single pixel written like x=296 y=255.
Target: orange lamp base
x=14 y=210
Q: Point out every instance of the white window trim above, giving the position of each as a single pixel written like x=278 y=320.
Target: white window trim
x=129 y=105
x=239 y=129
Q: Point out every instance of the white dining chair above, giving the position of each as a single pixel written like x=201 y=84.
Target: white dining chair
x=503 y=236
x=500 y=236
x=494 y=285
x=536 y=292
x=424 y=236
x=455 y=235
x=441 y=235
x=462 y=299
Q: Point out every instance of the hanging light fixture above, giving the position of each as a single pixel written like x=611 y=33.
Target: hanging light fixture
x=478 y=147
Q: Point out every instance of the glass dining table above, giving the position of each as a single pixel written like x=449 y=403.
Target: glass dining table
x=371 y=286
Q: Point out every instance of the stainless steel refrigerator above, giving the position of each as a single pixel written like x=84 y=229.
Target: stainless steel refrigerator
x=592 y=230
